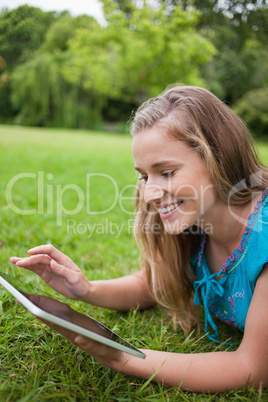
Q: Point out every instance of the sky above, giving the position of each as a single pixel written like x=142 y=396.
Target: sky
x=76 y=7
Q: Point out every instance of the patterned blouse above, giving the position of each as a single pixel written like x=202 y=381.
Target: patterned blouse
x=229 y=297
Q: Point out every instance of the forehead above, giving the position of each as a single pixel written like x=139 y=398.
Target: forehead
x=153 y=146
x=155 y=141
x=151 y=138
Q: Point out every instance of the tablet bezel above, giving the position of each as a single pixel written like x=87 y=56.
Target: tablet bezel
x=42 y=314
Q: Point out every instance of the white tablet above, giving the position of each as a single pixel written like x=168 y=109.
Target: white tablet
x=63 y=318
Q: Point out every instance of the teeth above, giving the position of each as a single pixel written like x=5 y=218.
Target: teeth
x=170 y=208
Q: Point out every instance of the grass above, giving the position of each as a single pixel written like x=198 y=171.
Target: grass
x=39 y=169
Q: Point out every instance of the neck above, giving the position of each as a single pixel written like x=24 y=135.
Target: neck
x=225 y=224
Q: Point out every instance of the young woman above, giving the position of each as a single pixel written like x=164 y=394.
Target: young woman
x=202 y=226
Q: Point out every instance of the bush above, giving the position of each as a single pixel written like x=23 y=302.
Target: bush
x=253 y=108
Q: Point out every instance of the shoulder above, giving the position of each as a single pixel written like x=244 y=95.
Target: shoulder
x=257 y=245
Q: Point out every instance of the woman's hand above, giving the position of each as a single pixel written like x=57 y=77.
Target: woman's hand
x=57 y=270
x=103 y=354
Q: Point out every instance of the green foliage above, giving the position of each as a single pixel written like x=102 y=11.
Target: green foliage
x=63 y=29
x=39 y=90
x=124 y=5
x=234 y=71
x=81 y=67
x=22 y=31
x=97 y=73
x=30 y=81
x=253 y=108
x=6 y=111
x=40 y=82
x=239 y=32
x=142 y=54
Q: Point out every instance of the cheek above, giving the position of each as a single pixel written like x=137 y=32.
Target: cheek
x=186 y=187
x=195 y=187
x=207 y=198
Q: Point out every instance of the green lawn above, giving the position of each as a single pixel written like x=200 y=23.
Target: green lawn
x=73 y=189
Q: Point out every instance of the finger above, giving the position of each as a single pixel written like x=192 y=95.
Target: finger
x=14 y=259
x=81 y=341
x=95 y=349
x=37 y=264
x=86 y=344
x=55 y=254
x=35 y=260
x=60 y=269
x=64 y=272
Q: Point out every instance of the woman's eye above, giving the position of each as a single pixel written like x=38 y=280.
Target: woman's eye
x=168 y=174
x=143 y=178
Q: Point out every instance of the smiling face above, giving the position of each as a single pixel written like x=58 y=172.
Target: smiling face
x=175 y=179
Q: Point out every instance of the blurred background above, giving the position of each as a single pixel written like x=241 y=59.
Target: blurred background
x=70 y=66
x=89 y=67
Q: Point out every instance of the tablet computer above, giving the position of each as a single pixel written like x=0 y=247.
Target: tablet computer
x=63 y=318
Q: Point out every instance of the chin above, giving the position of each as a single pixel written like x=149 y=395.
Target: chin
x=176 y=228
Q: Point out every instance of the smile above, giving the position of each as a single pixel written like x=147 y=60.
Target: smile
x=169 y=208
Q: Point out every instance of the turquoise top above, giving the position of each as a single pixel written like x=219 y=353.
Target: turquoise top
x=229 y=297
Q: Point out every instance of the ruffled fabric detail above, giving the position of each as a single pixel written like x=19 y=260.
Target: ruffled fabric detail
x=246 y=235
x=243 y=243
x=208 y=284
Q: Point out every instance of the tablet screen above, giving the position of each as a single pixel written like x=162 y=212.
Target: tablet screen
x=63 y=311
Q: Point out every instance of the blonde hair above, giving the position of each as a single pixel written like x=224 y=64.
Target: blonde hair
x=199 y=119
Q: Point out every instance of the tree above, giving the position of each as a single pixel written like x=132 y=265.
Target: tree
x=238 y=29
x=126 y=6
x=39 y=91
x=81 y=67
x=22 y=31
x=136 y=57
x=63 y=29
x=253 y=108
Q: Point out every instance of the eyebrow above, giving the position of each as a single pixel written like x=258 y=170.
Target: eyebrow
x=160 y=163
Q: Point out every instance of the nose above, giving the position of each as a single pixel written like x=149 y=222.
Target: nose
x=153 y=193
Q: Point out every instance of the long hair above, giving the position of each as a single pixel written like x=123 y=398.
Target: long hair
x=203 y=122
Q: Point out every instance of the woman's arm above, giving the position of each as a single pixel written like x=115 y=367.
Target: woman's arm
x=122 y=294
x=63 y=275
x=204 y=372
